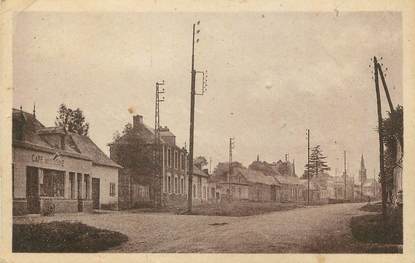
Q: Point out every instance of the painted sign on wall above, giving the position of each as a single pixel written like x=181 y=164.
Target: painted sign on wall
x=54 y=160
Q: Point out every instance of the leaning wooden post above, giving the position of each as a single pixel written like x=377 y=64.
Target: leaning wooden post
x=381 y=151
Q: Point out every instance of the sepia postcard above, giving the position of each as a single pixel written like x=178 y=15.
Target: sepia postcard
x=223 y=131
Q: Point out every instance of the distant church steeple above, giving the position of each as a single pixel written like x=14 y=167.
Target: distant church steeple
x=362 y=171
x=34 y=110
x=257 y=157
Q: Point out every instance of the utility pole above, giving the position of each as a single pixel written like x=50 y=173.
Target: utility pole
x=192 y=114
x=308 y=166
x=345 y=175
x=231 y=147
x=361 y=180
x=380 y=128
x=374 y=184
x=158 y=172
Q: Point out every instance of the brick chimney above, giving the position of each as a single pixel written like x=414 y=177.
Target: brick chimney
x=137 y=121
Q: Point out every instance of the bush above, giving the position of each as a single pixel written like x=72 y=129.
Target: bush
x=63 y=237
x=373 y=229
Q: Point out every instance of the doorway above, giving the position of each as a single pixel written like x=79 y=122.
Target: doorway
x=32 y=190
x=273 y=193
x=95 y=193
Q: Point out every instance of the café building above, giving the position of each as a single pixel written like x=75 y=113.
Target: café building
x=59 y=171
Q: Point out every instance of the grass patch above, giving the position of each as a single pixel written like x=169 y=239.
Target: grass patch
x=63 y=237
x=240 y=208
x=373 y=229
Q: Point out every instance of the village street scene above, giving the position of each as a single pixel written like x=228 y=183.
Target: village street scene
x=207 y=133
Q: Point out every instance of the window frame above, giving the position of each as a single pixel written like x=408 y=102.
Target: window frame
x=112 y=189
x=50 y=188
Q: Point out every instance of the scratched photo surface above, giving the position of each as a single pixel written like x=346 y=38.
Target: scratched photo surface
x=243 y=132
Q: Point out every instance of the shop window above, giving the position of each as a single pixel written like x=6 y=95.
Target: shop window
x=112 y=189
x=52 y=183
x=72 y=185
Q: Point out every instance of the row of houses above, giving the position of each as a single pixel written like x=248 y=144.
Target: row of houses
x=256 y=184
x=53 y=168
x=277 y=182
x=263 y=185
x=67 y=171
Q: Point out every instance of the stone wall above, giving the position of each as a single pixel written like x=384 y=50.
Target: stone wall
x=61 y=205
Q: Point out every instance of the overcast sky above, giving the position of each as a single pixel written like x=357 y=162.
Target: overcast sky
x=271 y=76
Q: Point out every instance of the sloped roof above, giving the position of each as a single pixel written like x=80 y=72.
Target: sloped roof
x=90 y=149
x=26 y=125
x=259 y=177
x=20 y=115
x=143 y=132
x=39 y=136
x=293 y=180
x=247 y=175
x=165 y=132
x=237 y=176
x=197 y=171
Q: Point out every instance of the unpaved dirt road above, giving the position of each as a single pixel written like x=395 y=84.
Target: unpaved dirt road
x=320 y=229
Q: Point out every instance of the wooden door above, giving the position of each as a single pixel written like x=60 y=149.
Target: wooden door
x=32 y=190
x=95 y=193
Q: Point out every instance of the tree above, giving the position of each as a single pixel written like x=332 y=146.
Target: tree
x=222 y=169
x=392 y=135
x=135 y=154
x=262 y=167
x=72 y=120
x=318 y=164
x=200 y=162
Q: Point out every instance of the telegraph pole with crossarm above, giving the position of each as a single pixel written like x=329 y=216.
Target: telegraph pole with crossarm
x=157 y=148
x=192 y=114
